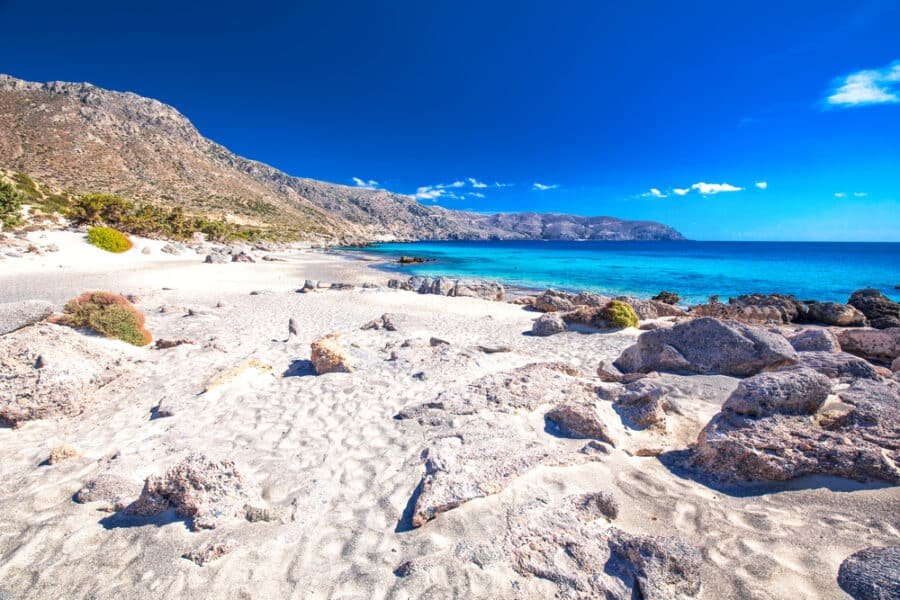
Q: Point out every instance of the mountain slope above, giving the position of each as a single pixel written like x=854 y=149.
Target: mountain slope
x=82 y=138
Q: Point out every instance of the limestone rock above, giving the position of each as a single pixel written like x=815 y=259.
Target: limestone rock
x=833 y=313
x=61 y=453
x=217 y=258
x=644 y=402
x=170 y=248
x=385 y=321
x=838 y=365
x=881 y=311
x=871 y=574
x=579 y=420
x=794 y=391
x=707 y=345
x=476 y=288
x=881 y=345
x=210 y=552
x=329 y=356
x=858 y=442
x=548 y=324
x=815 y=340
x=16 y=315
x=608 y=372
x=242 y=257
x=552 y=301
x=199 y=488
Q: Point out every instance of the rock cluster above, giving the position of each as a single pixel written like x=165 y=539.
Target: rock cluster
x=442 y=286
x=779 y=308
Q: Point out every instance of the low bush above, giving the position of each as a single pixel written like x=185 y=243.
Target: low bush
x=109 y=239
x=109 y=314
x=10 y=203
x=620 y=314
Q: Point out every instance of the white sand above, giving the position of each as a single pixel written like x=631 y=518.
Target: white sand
x=328 y=453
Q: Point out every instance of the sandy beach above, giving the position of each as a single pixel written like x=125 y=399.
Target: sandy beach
x=338 y=470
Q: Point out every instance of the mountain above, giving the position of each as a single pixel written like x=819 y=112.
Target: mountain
x=81 y=138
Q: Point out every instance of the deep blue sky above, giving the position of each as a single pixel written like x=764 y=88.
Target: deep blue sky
x=599 y=102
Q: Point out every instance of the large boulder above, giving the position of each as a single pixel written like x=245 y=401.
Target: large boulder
x=815 y=340
x=871 y=574
x=198 y=488
x=856 y=441
x=708 y=345
x=328 y=355
x=881 y=345
x=838 y=365
x=477 y=288
x=795 y=391
x=548 y=324
x=16 y=315
x=881 y=311
x=53 y=371
x=833 y=313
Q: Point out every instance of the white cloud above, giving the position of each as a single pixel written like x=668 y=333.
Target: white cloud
x=371 y=184
x=681 y=191
x=860 y=194
x=476 y=194
x=654 y=193
x=428 y=192
x=477 y=184
x=870 y=86
x=497 y=184
x=839 y=195
x=762 y=184
x=543 y=187
x=455 y=184
x=714 y=188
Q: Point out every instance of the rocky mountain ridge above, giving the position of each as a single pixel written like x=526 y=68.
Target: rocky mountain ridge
x=82 y=138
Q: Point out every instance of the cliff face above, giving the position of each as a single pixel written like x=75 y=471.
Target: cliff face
x=79 y=137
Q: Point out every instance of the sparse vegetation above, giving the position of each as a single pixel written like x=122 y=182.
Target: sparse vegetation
x=109 y=314
x=109 y=239
x=10 y=204
x=620 y=314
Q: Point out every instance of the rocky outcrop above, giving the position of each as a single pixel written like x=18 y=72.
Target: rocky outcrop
x=880 y=345
x=708 y=345
x=16 y=315
x=815 y=340
x=786 y=435
x=833 y=313
x=567 y=544
x=794 y=391
x=871 y=574
x=652 y=309
x=199 y=488
x=643 y=403
x=53 y=371
x=881 y=311
x=548 y=324
x=779 y=308
x=442 y=286
x=552 y=301
x=838 y=365
x=329 y=356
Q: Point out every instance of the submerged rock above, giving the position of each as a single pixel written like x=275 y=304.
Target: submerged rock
x=708 y=345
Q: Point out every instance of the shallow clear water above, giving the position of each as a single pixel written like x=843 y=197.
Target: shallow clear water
x=695 y=270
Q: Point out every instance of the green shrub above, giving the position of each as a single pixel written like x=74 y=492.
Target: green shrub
x=620 y=314
x=93 y=209
x=109 y=314
x=109 y=239
x=10 y=203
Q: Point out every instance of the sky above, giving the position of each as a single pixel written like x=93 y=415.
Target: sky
x=727 y=120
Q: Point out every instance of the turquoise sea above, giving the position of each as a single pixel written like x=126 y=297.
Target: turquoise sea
x=695 y=270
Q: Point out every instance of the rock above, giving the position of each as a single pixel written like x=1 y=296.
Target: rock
x=882 y=345
x=667 y=297
x=589 y=316
x=61 y=453
x=579 y=420
x=242 y=257
x=270 y=258
x=569 y=546
x=871 y=574
x=838 y=365
x=146 y=250
x=476 y=288
x=199 y=488
x=217 y=258
x=857 y=441
x=293 y=328
x=895 y=366
x=210 y=552
x=493 y=349
x=52 y=248
x=794 y=391
x=833 y=313
x=310 y=285
x=260 y=292
x=608 y=372
x=552 y=301
x=787 y=308
x=385 y=321
x=411 y=260
x=115 y=490
x=548 y=324
x=590 y=299
x=342 y=287
x=171 y=249
x=706 y=345
x=256 y=514
x=479 y=461
x=329 y=356
x=162 y=344
x=16 y=315
x=651 y=309
x=815 y=340
x=53 y=371
x=881 y=311
x=643 y=403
